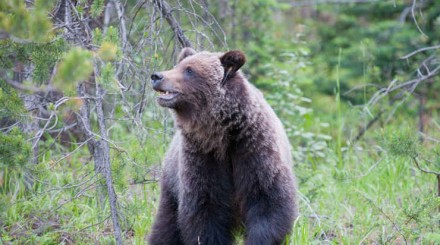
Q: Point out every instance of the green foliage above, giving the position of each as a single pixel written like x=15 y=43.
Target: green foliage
x=97 y=36
x=109 y=44
x=111 y=36
x=292 y=106
x=401 y=143
x=373 y=40
x=107 y=77
x=97 y=7
x=11 y=106
x=250 y=26
x=26 y=23
x=76 y=65
x=14 y=149
x=43 y=56
x=108 y=51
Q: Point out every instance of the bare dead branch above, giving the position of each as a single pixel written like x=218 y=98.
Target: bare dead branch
x=41 y=131
x=409 y=86
x=107 y=13
x=422 y=169
x=134 y=16
x=6 y=35
x=368 y=126
x=22 y=87
x=69 y=185
x=420 y=50
x=175 y=26
x=413 y=13
x=86 y=28
x=95 y=224
x=79 y=193
x=73 y=151
x=122 y=27
x=426 y=171
x=318 y=2
x=123 y=33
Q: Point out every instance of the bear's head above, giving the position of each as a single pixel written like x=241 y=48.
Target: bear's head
x=198 y=79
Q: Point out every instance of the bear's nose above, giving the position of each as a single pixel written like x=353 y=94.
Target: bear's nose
x=155 y=77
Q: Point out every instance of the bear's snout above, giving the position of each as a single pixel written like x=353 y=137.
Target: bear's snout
x=156 y=77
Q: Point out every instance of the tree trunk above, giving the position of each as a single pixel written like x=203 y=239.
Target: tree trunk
x=104 y=151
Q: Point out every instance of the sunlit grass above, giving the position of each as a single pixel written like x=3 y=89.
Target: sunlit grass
x=375 y=197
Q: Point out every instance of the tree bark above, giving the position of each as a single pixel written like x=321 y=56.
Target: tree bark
x=101 y=152
x=104 y=149
x=86 y=127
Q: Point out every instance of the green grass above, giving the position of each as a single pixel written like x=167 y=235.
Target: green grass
x=339 y=120
x=375 y=197
x=378 y=200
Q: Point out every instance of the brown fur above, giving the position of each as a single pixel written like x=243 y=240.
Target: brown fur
x=229 y=160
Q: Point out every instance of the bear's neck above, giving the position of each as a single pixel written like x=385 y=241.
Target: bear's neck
x=213 y=129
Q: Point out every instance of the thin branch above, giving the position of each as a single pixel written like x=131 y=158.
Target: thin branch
x=413 y=8
x=420 y=50
x=79 y=193
x=393 y=223
x=95 y=224
x=107 y=13
x=134 y=17
x=22 y=87
x=175 y=26
x=69 y=186
x=120 y=11
x=369 y=125
x=317 y=2
x=411 y=84
x=74 y=150
x=424 y=170
x=6 y=35
x=415 y=82
x=41 y=131
x=86 y=30
x=123 y=33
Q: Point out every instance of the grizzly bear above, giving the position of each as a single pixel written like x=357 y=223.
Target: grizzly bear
x=228 y=169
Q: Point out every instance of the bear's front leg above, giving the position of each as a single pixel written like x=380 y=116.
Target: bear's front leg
x=266 y=188
x=266 y=224
x=165 y=230
x=205 y=202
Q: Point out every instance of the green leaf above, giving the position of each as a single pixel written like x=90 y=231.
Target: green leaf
x=76 y=66
x=97 y=8
x=32 y=24
x=14 y=149
x=401 y=142
x=108 y=51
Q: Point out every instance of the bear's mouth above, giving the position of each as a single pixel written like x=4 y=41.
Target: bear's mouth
x=166 y=95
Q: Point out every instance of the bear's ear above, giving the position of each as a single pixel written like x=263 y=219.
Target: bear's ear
x=232 y=61
x=185 y=53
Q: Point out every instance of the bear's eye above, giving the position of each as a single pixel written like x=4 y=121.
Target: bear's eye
x=189 y=70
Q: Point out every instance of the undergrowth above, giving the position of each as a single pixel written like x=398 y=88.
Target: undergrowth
x=376 y=197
